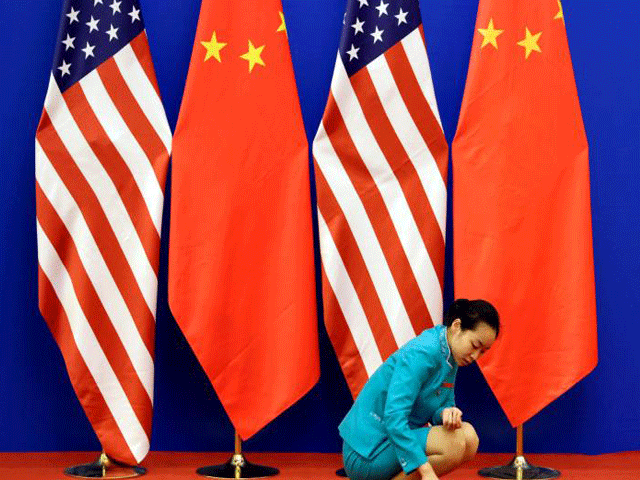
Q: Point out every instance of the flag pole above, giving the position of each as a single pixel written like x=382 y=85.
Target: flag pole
x=519 y=468
x=237 y=466
x=105 y=467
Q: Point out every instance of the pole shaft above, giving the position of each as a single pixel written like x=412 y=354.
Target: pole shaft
x=238 y=444
x=519 y=442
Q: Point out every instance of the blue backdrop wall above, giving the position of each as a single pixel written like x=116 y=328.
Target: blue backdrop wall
x=38 y=408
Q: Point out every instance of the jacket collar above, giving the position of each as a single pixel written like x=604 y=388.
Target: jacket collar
x=444 y=345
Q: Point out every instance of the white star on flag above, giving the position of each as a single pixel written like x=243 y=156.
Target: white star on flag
x=93 y=24
x=353 y=52
x=382 y=8
x=64 y=68
x=73 y=16
x=115 y=6
x=401 y=16
x=357 y=27
x=96 y=2
x=88 y=51
x=377 y=35
x=113 y=33
x=134 y=14
x=363 y=2
x=68 y=42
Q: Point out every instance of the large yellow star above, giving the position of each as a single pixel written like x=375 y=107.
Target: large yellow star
x=530 y=42
x=253 y=56
x=560 y=14
x=283 y=26
x=489 y=35
x=213 y=48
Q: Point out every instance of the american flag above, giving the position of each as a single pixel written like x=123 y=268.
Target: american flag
x=381 y=168
x=102 y=148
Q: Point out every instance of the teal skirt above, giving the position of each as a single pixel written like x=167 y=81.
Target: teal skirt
x=383 y=466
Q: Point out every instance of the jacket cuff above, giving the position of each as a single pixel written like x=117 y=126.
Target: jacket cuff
x=410 y=465
x=437 y=416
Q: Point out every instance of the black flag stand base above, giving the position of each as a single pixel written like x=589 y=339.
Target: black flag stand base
x=237 y=467
x=104 y=467
x=519 y=468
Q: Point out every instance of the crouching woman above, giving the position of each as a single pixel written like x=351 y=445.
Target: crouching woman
x=385 y=432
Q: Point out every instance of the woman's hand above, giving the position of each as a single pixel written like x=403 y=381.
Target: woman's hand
x=426 y=472
x=452 y=418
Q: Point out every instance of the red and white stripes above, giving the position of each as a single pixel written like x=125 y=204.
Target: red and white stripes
x=381 y=166
x=102 y=149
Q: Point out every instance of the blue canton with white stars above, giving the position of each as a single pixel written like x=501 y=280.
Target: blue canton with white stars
x=371 y=27
x=90 y=32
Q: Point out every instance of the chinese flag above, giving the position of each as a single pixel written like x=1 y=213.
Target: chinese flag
x=522 y=216
x=241 y=273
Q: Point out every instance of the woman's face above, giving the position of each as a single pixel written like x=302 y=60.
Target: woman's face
x=467 y=345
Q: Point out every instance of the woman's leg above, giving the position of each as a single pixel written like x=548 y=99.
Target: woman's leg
x=471 y=440
x=447 y=449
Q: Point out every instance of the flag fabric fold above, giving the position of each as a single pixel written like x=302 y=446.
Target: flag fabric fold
x=241 y=272
x=380 y=161
x=102 y=150
x=521 y=201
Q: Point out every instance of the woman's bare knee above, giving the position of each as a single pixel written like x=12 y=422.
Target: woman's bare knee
x=445 y=448
x=456 y=448
x=471 y=441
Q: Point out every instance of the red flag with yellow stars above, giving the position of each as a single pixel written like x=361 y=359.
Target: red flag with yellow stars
x=241 y=272
x=521 y=203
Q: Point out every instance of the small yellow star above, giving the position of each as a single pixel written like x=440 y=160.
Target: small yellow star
x=213 y=48
x=283 y=26
x=560 y=14
x=489 y=35
x=253 y=56
x=530 y=42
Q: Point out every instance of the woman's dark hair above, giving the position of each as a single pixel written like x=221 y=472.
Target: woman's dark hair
x=471 y=312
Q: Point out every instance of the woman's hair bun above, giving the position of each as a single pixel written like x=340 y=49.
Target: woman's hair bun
x=456 y=310
x=470 y=312
x=461 y=305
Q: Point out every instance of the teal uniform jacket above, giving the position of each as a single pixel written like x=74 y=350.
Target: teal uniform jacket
x=411 y=388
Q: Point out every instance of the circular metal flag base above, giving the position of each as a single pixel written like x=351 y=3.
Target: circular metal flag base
x=237 y=467
x=104 y=467
x=341 y=473
x=519 y=468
